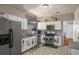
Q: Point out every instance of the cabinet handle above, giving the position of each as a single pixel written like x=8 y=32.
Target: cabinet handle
x=23 y=41
x=32 y=42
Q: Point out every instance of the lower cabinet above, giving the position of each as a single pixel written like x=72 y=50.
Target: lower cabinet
x=28 y=43
x=58 y=41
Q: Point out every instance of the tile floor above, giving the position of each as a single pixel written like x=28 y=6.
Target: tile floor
x=46 y=50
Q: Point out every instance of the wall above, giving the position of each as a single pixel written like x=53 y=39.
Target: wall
x=68 y=29
x=65 y=17
x=76 y=14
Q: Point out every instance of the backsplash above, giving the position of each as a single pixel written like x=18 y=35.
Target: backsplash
x=28 y=33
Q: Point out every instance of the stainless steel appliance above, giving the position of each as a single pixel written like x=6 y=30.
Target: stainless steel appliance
x=10 y=37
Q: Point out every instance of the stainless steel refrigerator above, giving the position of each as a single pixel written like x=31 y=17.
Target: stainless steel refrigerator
x=10 y=37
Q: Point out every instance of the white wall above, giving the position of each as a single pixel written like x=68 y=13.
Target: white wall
x=76 y=14
x=66 y=17
x=76 y=24
x=62 y=17
x=68 y=29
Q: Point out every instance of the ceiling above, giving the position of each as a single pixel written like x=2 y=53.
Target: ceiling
x=50 y=10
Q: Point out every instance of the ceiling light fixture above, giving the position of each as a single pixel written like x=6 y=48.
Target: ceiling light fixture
x=45 y=5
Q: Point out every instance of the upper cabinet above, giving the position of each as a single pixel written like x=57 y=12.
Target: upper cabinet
x=39 y=25
x=50 y=23
x=43 y=25
x=12 y=17
x=25 y=23
x=22 y=22
x=57 y=25
x=19 y=19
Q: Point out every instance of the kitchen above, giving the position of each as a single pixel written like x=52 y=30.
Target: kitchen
x=30 y=29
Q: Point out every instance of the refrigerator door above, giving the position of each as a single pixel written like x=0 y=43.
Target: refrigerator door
x=16 y=27
x=4 y=28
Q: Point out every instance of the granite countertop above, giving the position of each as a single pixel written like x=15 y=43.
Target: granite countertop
x=29 y=36
x=58 y=35
x=74 y=45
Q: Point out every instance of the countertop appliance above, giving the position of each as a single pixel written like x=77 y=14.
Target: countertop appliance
x=10 y=37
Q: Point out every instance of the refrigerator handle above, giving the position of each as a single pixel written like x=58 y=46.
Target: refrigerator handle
x=10 y=38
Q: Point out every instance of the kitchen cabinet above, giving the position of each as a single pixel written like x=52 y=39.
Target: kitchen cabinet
x=23 y=45
x=43 y=25
x=19 y=19
x=58 y=25
x=12 y=18
x=28 y=43
x=58 y=41
x=39 y=25
x=22 y=22
x=25 y=24
x=50 y=23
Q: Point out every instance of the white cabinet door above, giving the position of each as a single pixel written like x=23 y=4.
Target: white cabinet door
x=24 y=45
x=13 y=18
x=22 y=22
x=30 y=42
x=10 y=17
x=39 y=26
x=47 y=23
x=25 y=24
x=50 y=23
x=58 y=39
x=43 y=25
x=58 y=25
